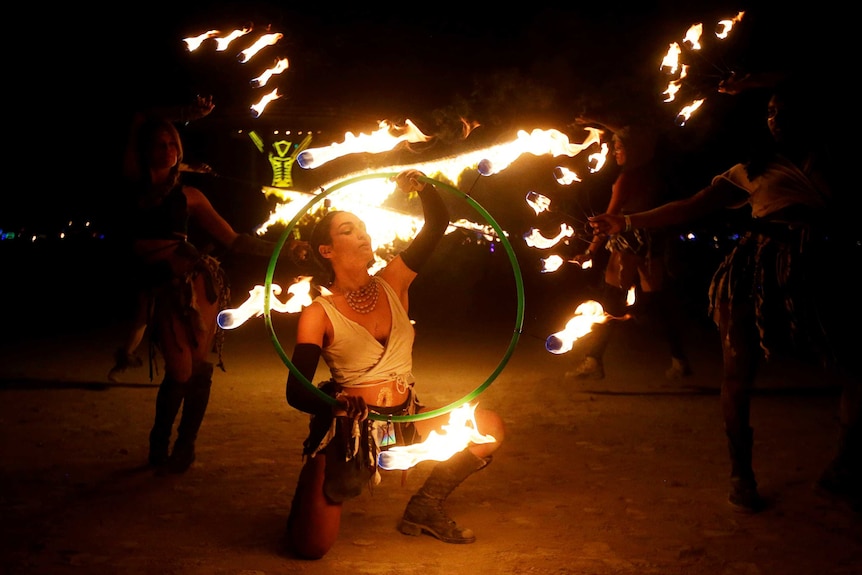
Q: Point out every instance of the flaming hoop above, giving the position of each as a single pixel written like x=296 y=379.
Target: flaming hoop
x=516 y=270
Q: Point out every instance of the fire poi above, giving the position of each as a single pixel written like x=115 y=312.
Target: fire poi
x=680 y=71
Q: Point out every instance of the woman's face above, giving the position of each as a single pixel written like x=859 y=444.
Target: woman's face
x=165 y=151
x=787 y=123
x=350 y=240
x=619 y=153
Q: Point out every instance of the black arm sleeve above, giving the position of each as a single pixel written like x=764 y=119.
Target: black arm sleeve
x=436 y=222
x=305 y=358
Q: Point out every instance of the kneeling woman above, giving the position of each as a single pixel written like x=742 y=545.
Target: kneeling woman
x=365 y=336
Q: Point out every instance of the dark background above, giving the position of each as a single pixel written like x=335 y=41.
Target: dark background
x=78 y=73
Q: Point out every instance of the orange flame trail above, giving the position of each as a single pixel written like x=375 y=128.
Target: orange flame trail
x=223 y=43
x=261 y=80
x=195 y=42
x=257 y=109
x=535 y=239
x=588 y=313
x=460 y=432
x=725 y=26
x=260 y=44
x=385 y=138
x=253 y=306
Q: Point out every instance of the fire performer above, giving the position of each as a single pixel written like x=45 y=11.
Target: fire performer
x=126 y=355
x=362 y=330
x=775 y=290
x=185 y=288
x=637 y=256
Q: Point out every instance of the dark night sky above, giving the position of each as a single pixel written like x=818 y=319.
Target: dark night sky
x=508 y=68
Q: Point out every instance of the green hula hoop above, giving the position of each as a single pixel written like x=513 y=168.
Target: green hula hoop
x=519 y=319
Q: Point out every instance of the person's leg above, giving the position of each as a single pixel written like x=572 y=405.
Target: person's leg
x=192 y=346
x=842 y=478
x=197 y=395
x=664 y=316
x=425 y=512
x=740 y=353
x=168 y=401
x=661 y=311
x=173 y=388
x=314 y=521
x=592 y=366
x=171 y=339
x=198 y=335
x=125 y=356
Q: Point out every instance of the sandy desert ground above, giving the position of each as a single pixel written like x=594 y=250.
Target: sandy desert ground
x=626 y=475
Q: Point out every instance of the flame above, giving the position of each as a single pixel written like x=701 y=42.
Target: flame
x=724 y=26
x=365 y=197
x=692 y=36
x=223 y=43
x=565 y=176
x=671 y=63
x=538 y=202
x=257 y=109
x=538 y=142
x=535 y=239
x=674 y=85
x=687 y=111
x=551 y=264
x=496 y=158
x=385 y=138
x=460 y=432
x=254 y=305
x=486 y=231
x=588 y=313
x=467 y=127
x=195 y=42
x=630 y=296
x=671 y=59
x=261 y=80
x=260 y=44
x=554 y=262
x=597 y=159
x=672 y=88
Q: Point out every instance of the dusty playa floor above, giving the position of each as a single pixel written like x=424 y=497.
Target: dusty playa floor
x=622 y=476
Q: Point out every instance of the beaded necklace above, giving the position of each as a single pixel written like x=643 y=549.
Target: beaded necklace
x=364 y=299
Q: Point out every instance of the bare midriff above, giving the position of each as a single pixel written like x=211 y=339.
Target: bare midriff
x=384 y=393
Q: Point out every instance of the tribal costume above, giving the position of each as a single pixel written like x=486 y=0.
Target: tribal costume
x=357 y=360
x=775 y=271
x=170 y=284
x=776 y=288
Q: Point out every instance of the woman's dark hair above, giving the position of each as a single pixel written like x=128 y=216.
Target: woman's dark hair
x=146 y=134
x=321 y=235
